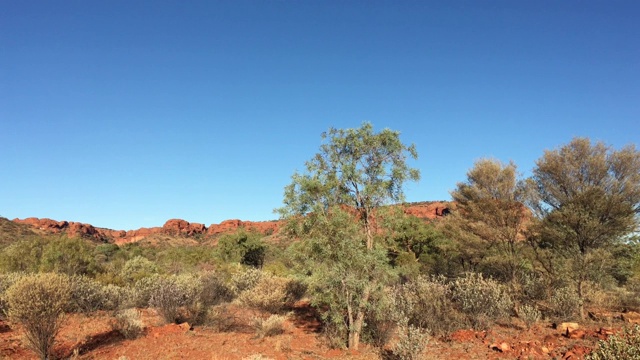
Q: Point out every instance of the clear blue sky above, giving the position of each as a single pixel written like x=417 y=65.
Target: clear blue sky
x=124 y=114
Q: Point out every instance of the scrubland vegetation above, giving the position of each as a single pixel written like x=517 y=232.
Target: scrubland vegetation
x=555 y=246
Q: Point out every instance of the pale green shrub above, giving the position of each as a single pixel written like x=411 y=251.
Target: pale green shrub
x=411 y=341
x=565 y=303
x=128 y=323
x=6 y=280
x=270 y=294
x=482 y=300
x=38 y=302
x=118 y=297
x=220 y=319
x=174 y=293
x=529 y=314
x=245 y=280
x=273 y=325
x=87 y=295
x=142 y=290
x=215 y=290
x=427 y=303
x=138 y=268
x=623 y=346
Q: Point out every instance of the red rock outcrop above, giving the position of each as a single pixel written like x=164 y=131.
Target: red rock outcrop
x=263 y=227
x=183 y=227
x=179 y=227
x=428 y=210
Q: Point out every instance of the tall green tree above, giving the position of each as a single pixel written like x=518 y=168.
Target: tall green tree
x=588 y=199
x=490 y=217
x=356 y=171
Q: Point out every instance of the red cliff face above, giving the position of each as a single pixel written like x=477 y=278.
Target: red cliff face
x=179 y=227
x=72 y=229
x=428 y=210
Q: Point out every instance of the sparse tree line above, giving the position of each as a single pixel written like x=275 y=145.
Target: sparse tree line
x=550 y=246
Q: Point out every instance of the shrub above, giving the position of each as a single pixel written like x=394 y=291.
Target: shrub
x=117 y=297
x=565 y=303
x=87 y=295
x=175 y=293
x=6 y=280
x=411 y=341
x=623 y=346
x=38 y=303
x=482 y=300
x=273 y=325
x=214 y=290
x=427 y=303
x=245 y=280
x=142 y=290
x=529 y=314
x=138 y=268
x=220 y=319
x=270 y=294
x=128 y=323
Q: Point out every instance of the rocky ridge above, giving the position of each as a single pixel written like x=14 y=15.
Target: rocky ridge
x=178 y=227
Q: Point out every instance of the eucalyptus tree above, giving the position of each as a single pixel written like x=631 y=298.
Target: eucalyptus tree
x=490 y=217
x=355 y=171
x=588 y=199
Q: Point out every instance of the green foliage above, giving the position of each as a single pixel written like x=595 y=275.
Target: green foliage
x=412 y=242
x=482 y=300
x=69 y=256
x=214 y=290
x=331 y=208
x=588 y=198
x=22 y=255
x=87 y=295
x=242 y=247
x=411 y=342
x=128 y=323
x=138 y=268
x=271 y=294
x=565 y=303
x=490 y=218
x=271 y=326
x=38 y=303
x=343 y=273
x=245 y=280
x=621 y=346
x=177 y=298
x=529 y=314
x=427 y=303
x=6 y=280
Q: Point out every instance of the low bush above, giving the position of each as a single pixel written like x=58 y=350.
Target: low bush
x=427 y=303
x=176 y=298
x=87 y=295
x=220 y=319
x=214 y=290
x=270 y=294
x=529 y=314
x=411 y=342
x=6 y=280
x=128 y=323
x=621 y=346
x=271 y=326
x=483 y=300
x=38 y=302
x=245 y=280
x=565 y=303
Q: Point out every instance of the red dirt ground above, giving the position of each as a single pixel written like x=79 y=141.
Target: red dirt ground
x=91 y=337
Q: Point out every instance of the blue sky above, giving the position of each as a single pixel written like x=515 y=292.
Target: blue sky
x=124 y=114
